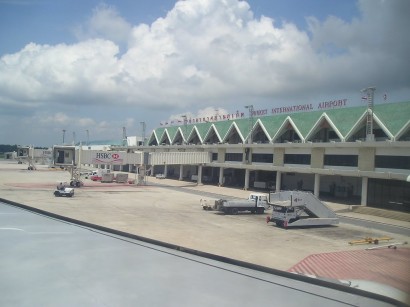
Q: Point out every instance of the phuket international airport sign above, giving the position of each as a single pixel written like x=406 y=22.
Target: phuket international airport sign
x=332 y=104
x=324 y=105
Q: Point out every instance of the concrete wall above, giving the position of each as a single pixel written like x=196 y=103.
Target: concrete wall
x=366 y=159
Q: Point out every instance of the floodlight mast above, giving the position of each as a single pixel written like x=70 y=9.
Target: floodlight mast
x=185 y=128
x=143 y=132
x=250 y=124
x=369 y=119
x=124 y=137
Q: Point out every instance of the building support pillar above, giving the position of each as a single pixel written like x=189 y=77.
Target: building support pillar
x=181 y=172
x=316 y=189
x=365 y=182
x=221 y=176
x=199 y=175
x=278 y=180
x=246 y=187
x=165 y=170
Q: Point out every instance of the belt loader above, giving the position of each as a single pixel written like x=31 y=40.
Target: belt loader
x=299 y=208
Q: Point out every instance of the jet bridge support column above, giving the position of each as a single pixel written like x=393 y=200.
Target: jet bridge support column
x=181 y=172
x=221 y=176
x=278 y=180
x=165 y=170
x=199 y=175
x=246 y=187
x=317 y=185
x=365 y=182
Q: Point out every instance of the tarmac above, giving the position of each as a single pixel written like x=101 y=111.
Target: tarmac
x=170 y=211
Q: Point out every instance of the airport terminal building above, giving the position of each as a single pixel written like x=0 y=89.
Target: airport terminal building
x=354 y=154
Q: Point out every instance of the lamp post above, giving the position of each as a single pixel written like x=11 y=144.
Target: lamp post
x=88 y=137
x=143 y=132
x=369 y=122
x=185 y=128
x=63 y=135
x=250 y=127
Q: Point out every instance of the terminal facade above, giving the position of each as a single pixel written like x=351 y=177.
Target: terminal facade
x=330 y=153
x=354 y=155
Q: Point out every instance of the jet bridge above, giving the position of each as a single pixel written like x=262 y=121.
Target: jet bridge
x=299 y=208
x=26 y=154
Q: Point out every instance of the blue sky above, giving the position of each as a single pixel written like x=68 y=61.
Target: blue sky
x=101 y=66
x=51 y=22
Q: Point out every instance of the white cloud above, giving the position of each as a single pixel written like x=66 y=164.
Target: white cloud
x=210 y=52
x=105 y=23
x=201 y=113
x=58 y=118
x=371 y=49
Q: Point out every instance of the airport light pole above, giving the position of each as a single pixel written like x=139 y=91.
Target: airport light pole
x=63 y=135
x=143 y=132
x=370 y=104
x=88 y=137
x=185 y=128
x=250 y=127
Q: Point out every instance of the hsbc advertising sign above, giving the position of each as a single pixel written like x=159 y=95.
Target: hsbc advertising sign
x=110 y=157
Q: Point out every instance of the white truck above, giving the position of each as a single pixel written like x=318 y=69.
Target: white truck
x=256 y=203
x=299 y=208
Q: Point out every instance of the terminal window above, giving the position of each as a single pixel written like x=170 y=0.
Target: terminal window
x=341 y=160
x=297 y=159
x=262 y=158
x=395 y=162
x=235 y=157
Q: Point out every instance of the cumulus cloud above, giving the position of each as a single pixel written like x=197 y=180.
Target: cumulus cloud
x=105 y=23
x=210 y=52
x=41 y=74
x=206 y=50
x=372 y=47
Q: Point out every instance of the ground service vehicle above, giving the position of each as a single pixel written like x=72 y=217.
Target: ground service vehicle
x=299 y=208
x=63 y=190
x=256 y=203
x=98 y=174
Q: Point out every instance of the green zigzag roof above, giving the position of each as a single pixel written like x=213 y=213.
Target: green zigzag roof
x=345 y=119
x=159 y=132
x=203 y=129
x=172 y=131
x=273 y=123
x=223 y=127
x=243 y=126
x=305 y=121
x=393 y=115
